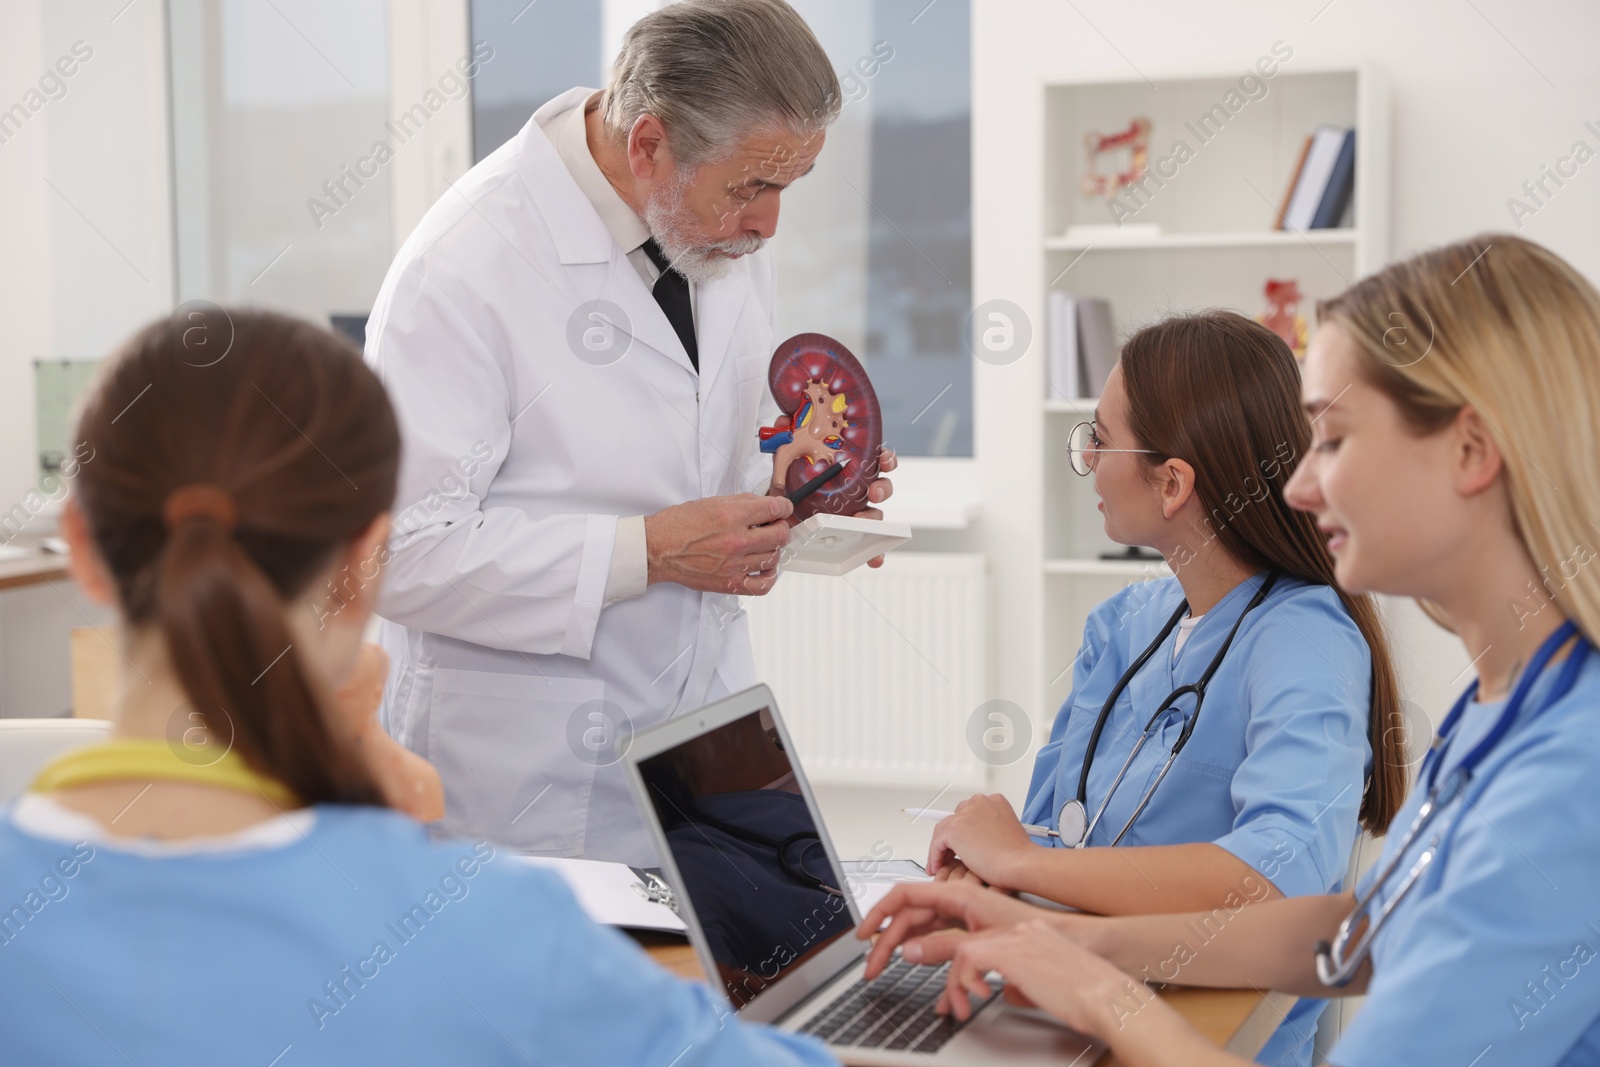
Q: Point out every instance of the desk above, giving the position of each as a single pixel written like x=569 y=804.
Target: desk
x=1237 y=1020
x=32 y=570
x=39 y=607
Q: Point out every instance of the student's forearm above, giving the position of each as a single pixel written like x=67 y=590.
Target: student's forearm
x=1138 y=881
x=1269 y=945
x=1155 y=1035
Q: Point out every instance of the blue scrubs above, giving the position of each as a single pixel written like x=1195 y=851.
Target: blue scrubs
x=1275 y=769
x=359 y=943
x=1493 y=957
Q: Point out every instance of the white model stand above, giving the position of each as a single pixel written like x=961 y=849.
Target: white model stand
x=838 y=544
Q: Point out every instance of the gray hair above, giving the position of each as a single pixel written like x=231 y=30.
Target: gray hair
x=714 y=71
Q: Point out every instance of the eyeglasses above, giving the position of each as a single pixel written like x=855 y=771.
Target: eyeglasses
x=1083 y=446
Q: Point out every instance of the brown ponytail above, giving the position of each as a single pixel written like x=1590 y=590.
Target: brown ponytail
x=299 y=441
x=1223 y=392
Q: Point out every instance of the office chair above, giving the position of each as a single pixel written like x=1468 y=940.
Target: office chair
x=26 y=745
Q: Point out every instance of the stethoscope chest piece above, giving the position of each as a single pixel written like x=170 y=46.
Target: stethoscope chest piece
x=1338 y=961
x=1073 y=823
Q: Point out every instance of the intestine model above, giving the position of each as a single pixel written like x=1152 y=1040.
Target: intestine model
x=830 y=412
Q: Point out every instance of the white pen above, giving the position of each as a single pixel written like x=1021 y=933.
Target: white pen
x=934 y=815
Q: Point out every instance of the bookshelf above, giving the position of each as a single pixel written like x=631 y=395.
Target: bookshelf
x=1215 y=247
x=1168 y=241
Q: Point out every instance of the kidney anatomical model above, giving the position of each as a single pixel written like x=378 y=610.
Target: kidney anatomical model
x=830 y=412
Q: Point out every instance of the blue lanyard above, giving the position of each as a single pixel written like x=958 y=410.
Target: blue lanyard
x=1338 y=961
x=1563 y=684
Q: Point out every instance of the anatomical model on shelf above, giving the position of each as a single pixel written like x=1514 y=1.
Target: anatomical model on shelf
x=1282 y=315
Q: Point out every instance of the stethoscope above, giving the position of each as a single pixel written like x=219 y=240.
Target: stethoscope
x=1074 y=824
x=796 y=868
x=1338 y=962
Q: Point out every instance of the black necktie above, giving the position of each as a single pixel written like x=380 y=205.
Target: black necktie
x=672 y=293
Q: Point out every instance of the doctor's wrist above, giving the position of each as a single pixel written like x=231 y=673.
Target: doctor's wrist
x=659 y=546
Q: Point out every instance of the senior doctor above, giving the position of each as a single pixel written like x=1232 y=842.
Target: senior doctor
x=576 y=338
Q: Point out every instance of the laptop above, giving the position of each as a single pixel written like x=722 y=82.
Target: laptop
x=770 y=913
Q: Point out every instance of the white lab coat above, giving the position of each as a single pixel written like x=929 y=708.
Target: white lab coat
x=519 y=457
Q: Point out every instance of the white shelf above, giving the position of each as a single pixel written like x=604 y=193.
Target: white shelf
x=1172 y=241
x=1110 y=568
x=1198 y=234
x=928 y=512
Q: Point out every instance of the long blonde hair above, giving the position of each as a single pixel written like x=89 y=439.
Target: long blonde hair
x=1511 y=329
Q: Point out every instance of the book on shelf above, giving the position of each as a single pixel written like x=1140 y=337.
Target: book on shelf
x=1065 y=372
x=1082 y=346
x=1294 y=180
x=1341 y=183
x=1322 y=183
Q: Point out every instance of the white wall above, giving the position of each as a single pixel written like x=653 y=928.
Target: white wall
x=25 y=261
x=1484 y=95
x=85 y=256
x=1477 y=108
x=86 y=250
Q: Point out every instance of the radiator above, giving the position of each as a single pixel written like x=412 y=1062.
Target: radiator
x=878 y=672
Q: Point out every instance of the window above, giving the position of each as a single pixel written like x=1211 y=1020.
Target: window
x=279 y=199
x=875 y=246
x=541 y=50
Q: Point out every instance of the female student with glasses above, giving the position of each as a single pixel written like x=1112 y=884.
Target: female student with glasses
x=220 y=883
x=1455 y=400
x=1228 y=724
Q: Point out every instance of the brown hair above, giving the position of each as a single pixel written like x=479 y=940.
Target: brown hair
x=1223 y=392
x=298 y=432
x=1509 y=328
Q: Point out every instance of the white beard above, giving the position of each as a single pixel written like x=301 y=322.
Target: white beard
x=672 y=224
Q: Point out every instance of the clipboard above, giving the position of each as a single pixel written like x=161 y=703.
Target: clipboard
x=614 y=894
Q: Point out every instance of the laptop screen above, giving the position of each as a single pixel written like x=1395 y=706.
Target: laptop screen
x=748 y=852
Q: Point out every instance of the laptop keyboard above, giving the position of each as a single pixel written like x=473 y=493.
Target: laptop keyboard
x=894 y=1011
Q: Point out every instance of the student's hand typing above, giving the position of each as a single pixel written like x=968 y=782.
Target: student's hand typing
x=925 y=919
x=985 y=833
x=1042 y=968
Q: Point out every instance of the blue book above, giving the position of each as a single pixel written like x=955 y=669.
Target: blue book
x=1341 y=182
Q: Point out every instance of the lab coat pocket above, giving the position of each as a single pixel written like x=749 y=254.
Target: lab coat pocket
x=500 y=742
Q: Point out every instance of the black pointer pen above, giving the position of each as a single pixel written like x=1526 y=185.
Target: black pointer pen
x=818 y=482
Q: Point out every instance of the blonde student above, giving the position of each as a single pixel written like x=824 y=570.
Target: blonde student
x=1455 y=405
x=249 y=899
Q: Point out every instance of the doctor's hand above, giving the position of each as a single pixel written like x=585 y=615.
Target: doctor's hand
x=985 y=833
x=722 y=544
x=927 y=920
x=879 y=490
